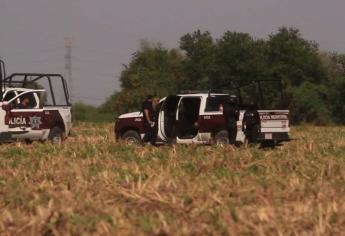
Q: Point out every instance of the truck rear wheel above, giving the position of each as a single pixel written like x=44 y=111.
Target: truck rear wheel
x=131 y=137
x=268 y=144
x=221 y=138
x=56 y=136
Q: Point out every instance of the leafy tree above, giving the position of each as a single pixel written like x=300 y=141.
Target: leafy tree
x=337 y=99
x=339 y=60
x=309 y=104
x=294 y=59
x=239 y=57
x=200 y=59
x=153 y=70
x=297 y=62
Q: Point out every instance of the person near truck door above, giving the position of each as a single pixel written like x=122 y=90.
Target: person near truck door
x=157 y=108
x=24 y=104
x=231 y=115
x=251 y=123
x=148 y=113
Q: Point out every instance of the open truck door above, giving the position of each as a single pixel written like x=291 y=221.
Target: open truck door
x=167 y=118
x=187 y=117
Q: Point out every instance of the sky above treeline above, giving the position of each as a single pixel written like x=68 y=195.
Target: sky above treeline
x=105 y=33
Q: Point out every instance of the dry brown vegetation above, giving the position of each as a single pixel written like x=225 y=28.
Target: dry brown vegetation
x=93 y=185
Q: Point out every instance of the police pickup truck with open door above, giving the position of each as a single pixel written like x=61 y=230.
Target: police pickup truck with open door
x=195 y=117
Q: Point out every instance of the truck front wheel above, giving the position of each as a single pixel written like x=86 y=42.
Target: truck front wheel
x=56 y=136
x=221 y=138
x=131 y=137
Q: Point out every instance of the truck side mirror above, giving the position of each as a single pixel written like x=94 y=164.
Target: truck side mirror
x=6 y=107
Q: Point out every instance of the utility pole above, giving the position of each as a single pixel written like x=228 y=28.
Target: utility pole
x=68 y=66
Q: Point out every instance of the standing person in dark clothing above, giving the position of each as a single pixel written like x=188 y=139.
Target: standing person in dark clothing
x=148 y=112
x=156 y=107
x=231 y=115
x=251 y=123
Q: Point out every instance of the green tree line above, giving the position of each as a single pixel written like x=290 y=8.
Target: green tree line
x=313 y=81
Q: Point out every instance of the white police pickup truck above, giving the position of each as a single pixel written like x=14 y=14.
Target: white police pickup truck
x=195 y=117
x=34 y=107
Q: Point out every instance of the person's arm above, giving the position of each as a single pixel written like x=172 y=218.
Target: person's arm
x=243 y=121
x=221 y=108
x=258 y=119
x=147 y=116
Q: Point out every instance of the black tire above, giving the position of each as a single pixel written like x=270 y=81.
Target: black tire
x=28 y=141
x=171 y=141
x=131 y=137
x=56 y=136
x=268 y=144
x=221 y=138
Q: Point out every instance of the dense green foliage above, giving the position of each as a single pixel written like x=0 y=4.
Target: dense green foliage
x=88 y=113
x=153 y=70
x=313 y=82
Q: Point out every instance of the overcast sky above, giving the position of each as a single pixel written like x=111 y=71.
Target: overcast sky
x=106 y=32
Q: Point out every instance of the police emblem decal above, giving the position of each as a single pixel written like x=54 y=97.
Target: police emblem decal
x=35 y=122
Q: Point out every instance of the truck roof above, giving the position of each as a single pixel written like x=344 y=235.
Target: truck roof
x=202 y=94
x=20 y=89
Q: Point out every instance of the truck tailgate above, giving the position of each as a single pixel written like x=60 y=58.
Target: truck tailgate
x=274 y=121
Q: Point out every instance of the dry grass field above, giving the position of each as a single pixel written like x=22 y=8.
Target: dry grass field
x=94 y=186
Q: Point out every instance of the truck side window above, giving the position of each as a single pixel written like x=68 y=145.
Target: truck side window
x=9 y=96
x=32 y=100
x=213 y=103
x=26 y=101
